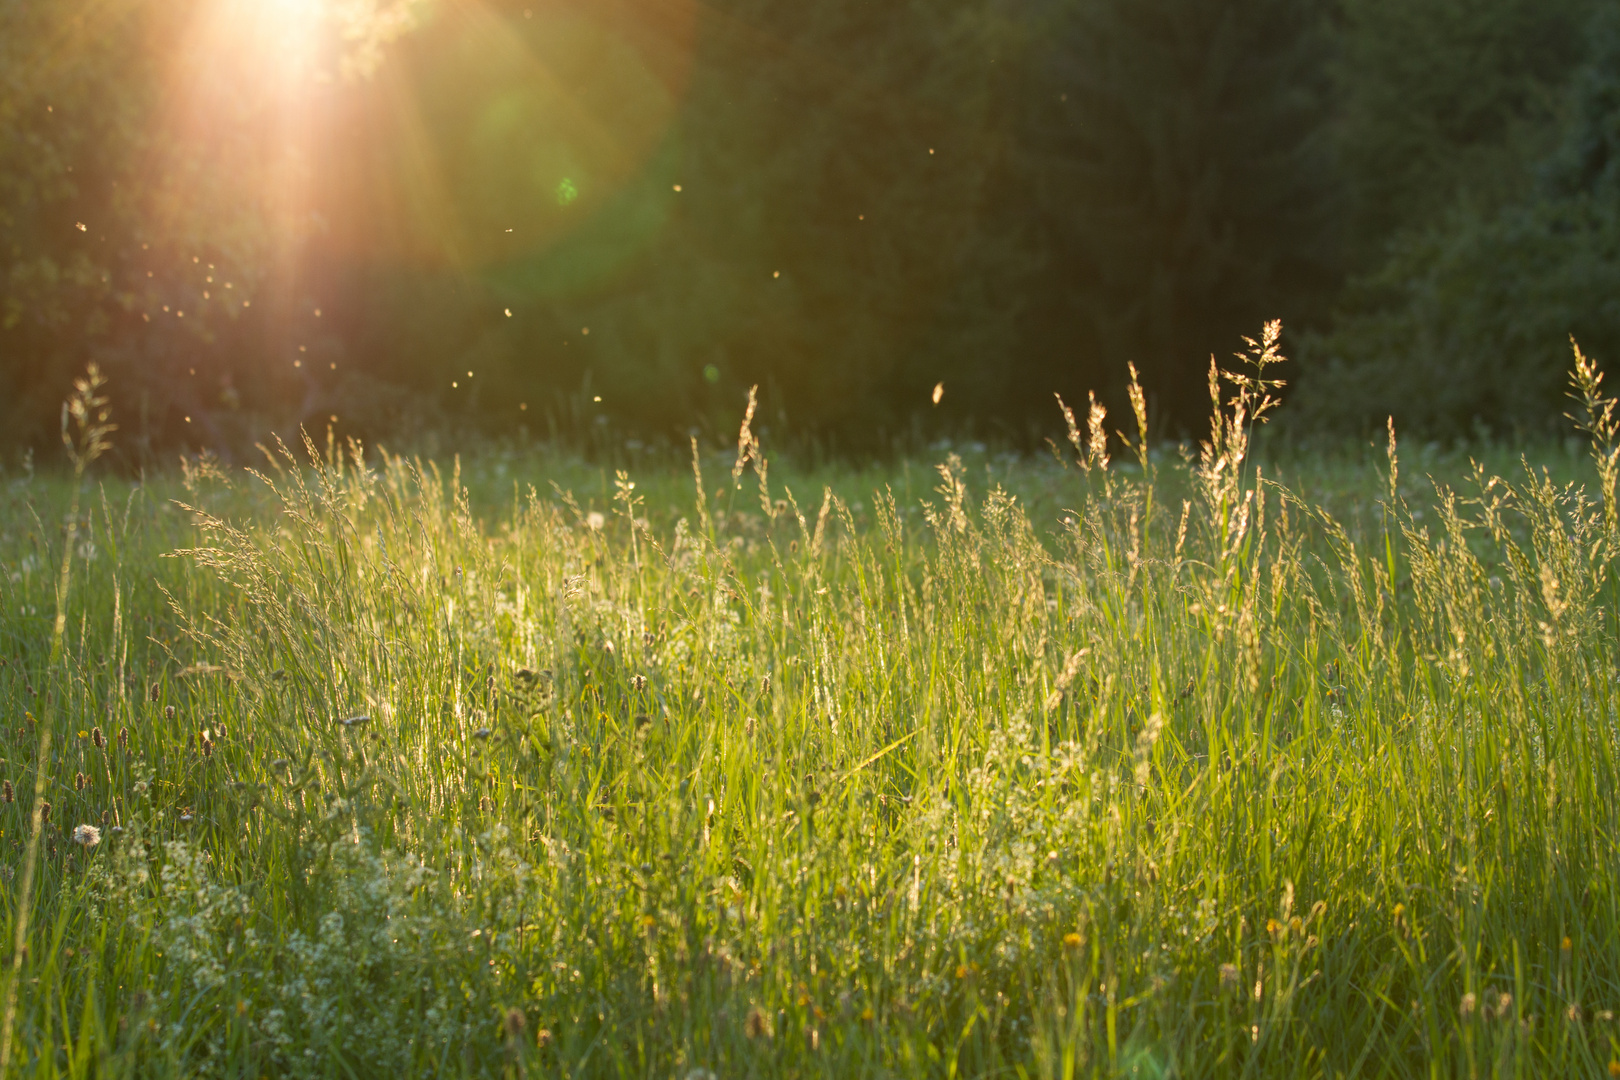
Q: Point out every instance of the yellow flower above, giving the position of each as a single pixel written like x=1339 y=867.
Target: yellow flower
x=1567 y=945
x=648 y=921
x=1072 y=940
x=961 y=971
x=1272 y=926
x=1614 y=1068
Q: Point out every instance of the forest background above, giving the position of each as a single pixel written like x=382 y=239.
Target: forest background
x=610 y=218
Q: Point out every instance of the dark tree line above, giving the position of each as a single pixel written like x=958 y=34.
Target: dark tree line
x=659 y=204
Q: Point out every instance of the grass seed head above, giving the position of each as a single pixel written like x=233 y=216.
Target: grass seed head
x=97 y=738
x=6 y=793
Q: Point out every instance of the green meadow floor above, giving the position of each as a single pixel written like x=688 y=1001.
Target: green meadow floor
x=970 y=765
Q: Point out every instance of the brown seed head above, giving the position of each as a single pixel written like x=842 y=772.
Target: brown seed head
x=98 y=738
x=79 y=781
x=514 y=1023
x=6 y=793
x=168 y=712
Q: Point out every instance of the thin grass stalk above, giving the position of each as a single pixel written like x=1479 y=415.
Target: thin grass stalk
x=88 y=413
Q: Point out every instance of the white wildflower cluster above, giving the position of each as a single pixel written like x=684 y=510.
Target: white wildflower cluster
x=1028 y=827
x=204 y=923
x=393 y=974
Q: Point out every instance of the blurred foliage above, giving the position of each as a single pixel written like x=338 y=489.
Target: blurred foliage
x=1492 y=187
x=618 y=216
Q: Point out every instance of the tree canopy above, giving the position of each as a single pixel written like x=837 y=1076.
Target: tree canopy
x=406 y=212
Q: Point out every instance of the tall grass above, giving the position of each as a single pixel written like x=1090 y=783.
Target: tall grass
x=1191 y=778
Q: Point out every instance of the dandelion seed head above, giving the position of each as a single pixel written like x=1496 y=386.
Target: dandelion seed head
x=87 y=835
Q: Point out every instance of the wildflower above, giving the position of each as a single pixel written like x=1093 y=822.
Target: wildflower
x=961 y=971
x=1614 y=1067
x=1272 y=926
x=1566 y=946
x=594 y=521
x=638 y=683
x=155 y=691
x=1229 y=976
x=87 y=835
x=98 y=738
x=168 y=712
x=1071 y=939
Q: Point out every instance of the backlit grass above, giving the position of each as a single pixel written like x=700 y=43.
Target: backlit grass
x=1010 y=767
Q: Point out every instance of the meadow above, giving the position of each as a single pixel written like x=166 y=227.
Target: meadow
x=1199 y=762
